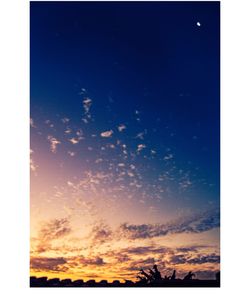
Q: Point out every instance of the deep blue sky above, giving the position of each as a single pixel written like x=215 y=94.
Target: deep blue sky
x=150 y=57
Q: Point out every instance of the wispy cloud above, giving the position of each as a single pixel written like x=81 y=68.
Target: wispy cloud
x=100 y=233
x=65 y=119
x=193 y=224
x=141 y=135
x=50 y=231
x=189 y=259
x=97 y=261
x=48 y=264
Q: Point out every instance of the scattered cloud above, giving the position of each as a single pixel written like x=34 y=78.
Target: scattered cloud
x=189 y=259
x=107 y=134
x=74 y=141
x=71 y=153
x=33 y=166
x=53 y=143
x=141 y=135
x=193 y=224
x=168 y=157
x=87 y=102
x=140 y=147
x=48 y=264
x=121 y=127
x=100 y=234
x=97 y=261
x=145 y=250
x=32 y=123
x=50 y=231
x=65 y=120
x=68 y=130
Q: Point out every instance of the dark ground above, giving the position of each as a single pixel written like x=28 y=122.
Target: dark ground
x=44 y=282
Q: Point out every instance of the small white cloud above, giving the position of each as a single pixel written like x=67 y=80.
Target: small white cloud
x=74 y=141
x=68 y=130
x=107 y=134
x=198 y=24
x=70 y=184
x=83 y=91
x=71 y=153
x=99 y=160
x=140 y=147
x=87 y=102
x=53 y=143
x=33 y=166
x=141 y=135
x=168 y=157
x=130 y=174
x=32 y=123
x=121 y=127
x=65 y=119
x=79 y=133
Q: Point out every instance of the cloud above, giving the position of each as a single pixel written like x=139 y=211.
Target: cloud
x=48 y=264
x=74 y=141
x=136 y=265
x=190 y=248
x=100 y=234
x=140 y=147
x=50 y=231
x=97 y=261
x=33 y=165
x=199 y=259
x=141 y=135
x=206 y=274
x=212 y=258
x=32 y=123
x=65 y=120
x=193 y=224
x=87 y=102
x=68 y=130
x=145 y=250
x=168 y=157
x=121 y=127
x=55 y=228
x=53 y=143
x=71 y=153
x=178 y=259
x=107 y=134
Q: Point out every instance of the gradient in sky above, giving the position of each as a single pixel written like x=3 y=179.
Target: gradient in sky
x=125 y=138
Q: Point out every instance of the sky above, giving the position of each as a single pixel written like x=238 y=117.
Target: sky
x=125 y=138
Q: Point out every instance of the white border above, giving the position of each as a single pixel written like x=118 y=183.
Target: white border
x=14 y=26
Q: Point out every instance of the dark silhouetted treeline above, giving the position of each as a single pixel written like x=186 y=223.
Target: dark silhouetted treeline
x=153 y=278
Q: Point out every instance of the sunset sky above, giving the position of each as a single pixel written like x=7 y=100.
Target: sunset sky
x=125 y=139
